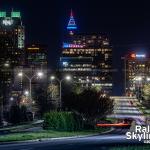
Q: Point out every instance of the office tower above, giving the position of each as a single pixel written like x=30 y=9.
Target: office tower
x=36 y=56
x=12 y=37
x=137 y=72
x=87 y=57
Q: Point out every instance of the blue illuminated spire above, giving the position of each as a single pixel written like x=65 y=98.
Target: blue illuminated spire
x=71 y=24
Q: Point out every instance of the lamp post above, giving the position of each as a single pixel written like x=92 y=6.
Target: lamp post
x=139 y=79
x=26 y=93
x=5 y=65
x=148 y=79
x=38 y=74
x=67 y=78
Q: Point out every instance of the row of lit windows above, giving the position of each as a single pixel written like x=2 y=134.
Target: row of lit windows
x=88 y=50
x=80 y=65
x=91 y=53
x=77 y=69
x=138 y=65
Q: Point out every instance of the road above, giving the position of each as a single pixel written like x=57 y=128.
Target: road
x=99 y=142
x=125 y=107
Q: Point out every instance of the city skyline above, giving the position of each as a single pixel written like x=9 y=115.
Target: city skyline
x=113 y=19
x=74 y=74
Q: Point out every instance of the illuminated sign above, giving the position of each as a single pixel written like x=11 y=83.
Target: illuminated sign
x=66 y=45
x=2 y=14
x=7 y=22
x=133 y=55
x=15 y=14
x=138 y=55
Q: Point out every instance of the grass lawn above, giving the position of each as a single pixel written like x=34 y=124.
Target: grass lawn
x=140 y=147
x=20 y=127
x=47 y=134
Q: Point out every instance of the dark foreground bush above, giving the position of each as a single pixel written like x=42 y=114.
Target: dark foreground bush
x=65 y=121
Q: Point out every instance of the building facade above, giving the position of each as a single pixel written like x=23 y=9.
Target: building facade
x=12 y=38
x=36 y=56
x=137 y=72
x=87 y=57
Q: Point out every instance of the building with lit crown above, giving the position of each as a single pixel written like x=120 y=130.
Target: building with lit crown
x=137 y=72
x=12 y=38
x=87 y=57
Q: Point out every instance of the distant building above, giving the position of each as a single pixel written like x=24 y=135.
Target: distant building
x=137 y=72
x=36 y=60
x=87 y=57
x=36 y=56
x=12 y=38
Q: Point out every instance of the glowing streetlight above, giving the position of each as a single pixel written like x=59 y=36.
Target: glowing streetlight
x=26 y=93
x=6 y=64
x=67 y=78
x=20 y=74
x=38 y=74
x=52 y=77
x=148 y=79
x=11 y=99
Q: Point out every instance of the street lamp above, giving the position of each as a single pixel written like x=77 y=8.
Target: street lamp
x=4 y=65
x=148 y=79
x=20 y=74
x=11 y=99
x=38 y=74
x=26 y=93
x=139 y=79
x=67 y=78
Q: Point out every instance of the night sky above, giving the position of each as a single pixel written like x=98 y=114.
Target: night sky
x=127 y=23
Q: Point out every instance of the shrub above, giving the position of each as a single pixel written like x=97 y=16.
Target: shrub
x=65 y=121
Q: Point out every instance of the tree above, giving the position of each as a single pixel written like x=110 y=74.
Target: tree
x=90 y=104
x=15 y=114
x=23 y=112
x=146 y=94
x=41 y=103
x=18 y=114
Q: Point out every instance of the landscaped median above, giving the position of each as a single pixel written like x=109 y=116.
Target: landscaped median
x=48 y=134
x=55 y=125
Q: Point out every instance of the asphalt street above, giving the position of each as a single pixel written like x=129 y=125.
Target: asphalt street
x=125 y=107
x=99 y=142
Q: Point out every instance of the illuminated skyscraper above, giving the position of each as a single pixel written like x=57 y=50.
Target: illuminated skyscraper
x=137 y=72
x=88 y=58
x=12 y=39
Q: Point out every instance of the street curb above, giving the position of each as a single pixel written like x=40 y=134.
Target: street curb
x=50 y=139
x=107 y=131
x=47 y=139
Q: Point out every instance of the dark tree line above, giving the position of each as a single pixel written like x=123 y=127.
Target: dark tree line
x=90 y=104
